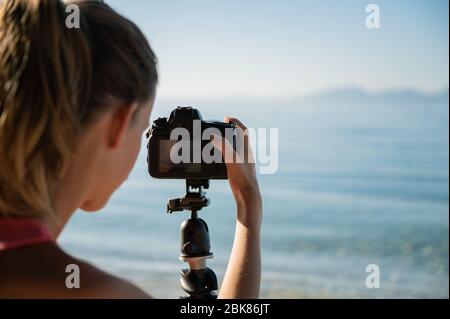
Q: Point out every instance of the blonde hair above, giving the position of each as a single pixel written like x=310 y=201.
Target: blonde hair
x=53 y=81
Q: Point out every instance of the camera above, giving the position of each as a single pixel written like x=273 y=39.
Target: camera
x=179 y=147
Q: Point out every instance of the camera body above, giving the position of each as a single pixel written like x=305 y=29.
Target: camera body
x=161 y=148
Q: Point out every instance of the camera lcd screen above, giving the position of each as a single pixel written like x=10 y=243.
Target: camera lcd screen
x=167 y=166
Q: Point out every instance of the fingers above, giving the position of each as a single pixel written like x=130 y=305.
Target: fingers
x=240 y=150
x=236 y=121
x=224 y=147
x=217 y=142
x=245 y=154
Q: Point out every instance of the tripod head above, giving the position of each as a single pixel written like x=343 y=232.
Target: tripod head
x=193 y=200
x=198 y=281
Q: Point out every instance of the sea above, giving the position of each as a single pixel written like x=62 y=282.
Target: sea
x=362 y=179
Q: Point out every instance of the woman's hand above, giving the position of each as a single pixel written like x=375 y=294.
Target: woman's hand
x=242 y=174
x=243 y=275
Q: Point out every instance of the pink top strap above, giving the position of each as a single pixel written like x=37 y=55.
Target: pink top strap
x=19 y=232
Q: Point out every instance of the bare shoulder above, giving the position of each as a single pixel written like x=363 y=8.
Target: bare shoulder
x=46 y=271
x=96 y=283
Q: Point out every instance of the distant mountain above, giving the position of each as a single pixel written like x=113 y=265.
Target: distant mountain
x=394 y=97
x=443 y=96
x=340 y=99
x=351 y=107
x=344 y=94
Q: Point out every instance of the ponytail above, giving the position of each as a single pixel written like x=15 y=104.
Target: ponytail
x=54 y=80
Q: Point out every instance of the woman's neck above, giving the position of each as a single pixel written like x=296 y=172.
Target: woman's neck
x=73 y=188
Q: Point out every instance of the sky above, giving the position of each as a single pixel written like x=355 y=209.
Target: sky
x=286 y=48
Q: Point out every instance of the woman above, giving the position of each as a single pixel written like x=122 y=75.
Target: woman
x=74 y=103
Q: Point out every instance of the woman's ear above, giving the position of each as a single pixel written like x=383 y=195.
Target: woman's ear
x=119 y=122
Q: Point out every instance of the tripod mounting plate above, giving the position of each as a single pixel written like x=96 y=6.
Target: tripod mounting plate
x=194 y=200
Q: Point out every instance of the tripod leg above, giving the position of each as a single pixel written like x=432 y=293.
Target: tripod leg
x=199 y=284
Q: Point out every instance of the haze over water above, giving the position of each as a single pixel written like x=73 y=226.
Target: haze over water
x=362 y=179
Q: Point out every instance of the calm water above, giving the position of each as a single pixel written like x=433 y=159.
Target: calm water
x=361 y=180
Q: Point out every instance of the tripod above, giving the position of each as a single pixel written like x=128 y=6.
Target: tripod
x=198 y=281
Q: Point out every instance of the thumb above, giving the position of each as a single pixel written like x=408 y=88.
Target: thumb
x=224 y=146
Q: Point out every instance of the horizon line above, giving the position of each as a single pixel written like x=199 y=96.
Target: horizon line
x=314 y=93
